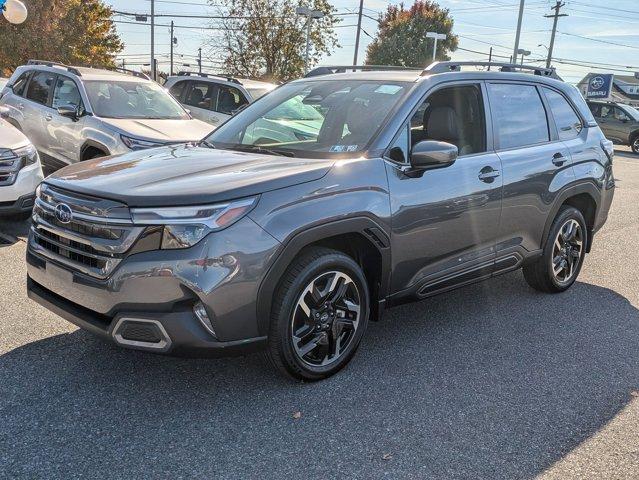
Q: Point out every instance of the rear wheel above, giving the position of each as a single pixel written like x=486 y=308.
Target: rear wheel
x=320 y=314
x=558 y=267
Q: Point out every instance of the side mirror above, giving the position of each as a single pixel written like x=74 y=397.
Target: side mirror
x=430 y=154
x=69 y=111
x=4 y=112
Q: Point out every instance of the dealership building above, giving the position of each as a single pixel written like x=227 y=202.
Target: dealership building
x=625 y=88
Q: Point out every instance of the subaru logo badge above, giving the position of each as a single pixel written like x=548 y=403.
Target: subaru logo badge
x=597 y=83
x=63 y=213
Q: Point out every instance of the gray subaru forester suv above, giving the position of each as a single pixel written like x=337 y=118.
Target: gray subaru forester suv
x=413 y=183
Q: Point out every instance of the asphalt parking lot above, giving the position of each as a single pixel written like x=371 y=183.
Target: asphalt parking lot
x=491 y=381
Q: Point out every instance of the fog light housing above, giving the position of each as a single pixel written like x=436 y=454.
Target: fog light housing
x=202 y=315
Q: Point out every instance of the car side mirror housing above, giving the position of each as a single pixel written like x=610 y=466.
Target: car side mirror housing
x=430 y=154
x=69 y=111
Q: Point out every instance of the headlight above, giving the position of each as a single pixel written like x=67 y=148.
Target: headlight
x=12 y=161
x=139 y=144
x=186 y=226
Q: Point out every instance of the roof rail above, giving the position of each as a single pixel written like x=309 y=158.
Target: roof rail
x=132 y=72
x=47 y=63
x=329 y=70
x=443 y=67
x=209 y=75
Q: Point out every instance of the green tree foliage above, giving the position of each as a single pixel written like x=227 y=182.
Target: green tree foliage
x=401 y=37
x=75 y=32
x=266 y=39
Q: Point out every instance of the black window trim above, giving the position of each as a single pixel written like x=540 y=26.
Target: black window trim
x=29 y=74
x=50 y=97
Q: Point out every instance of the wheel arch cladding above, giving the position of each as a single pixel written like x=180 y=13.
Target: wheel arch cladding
x=360 y=238
x=583 y=197
x=90 y=147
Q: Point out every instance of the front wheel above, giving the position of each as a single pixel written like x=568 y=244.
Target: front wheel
x=319 y=316
x=634 y=144
x=563 y=256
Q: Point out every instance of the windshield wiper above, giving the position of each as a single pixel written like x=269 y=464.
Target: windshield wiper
x=259 y=149
x=207 y=144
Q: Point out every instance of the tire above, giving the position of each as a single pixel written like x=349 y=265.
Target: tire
x=95 y=155
x=330 y=329
x=563 y=256
x=634 y=144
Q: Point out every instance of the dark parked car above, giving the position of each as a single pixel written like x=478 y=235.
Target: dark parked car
x=619 y=122
x=412 y=184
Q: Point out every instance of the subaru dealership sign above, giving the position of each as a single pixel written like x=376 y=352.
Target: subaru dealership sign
x=599 y=86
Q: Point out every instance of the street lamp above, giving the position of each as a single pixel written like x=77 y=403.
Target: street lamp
x=435 y=36
x=523 y=53
x=14 y=11
x=311 y=14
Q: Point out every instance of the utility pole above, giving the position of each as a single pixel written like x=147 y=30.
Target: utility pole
x=199 y=59
x=153 y=71
x=359 y=28
x=518 y=34
x=490 y=57
x=173 y=41
x=556 y=16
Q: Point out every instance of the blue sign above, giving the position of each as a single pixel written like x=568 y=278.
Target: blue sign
x=599 y=85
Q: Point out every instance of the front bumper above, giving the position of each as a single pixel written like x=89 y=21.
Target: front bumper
x=18 y=197
x=223 y=272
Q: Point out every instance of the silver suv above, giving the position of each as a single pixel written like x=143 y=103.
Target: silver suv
x=214 y=99
x=72 y=114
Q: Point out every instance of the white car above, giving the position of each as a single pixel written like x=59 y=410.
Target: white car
x=214 y=99
x=20 y=171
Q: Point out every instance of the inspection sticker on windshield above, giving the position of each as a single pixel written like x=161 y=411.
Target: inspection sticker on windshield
x=389 y=89
x=343 y=148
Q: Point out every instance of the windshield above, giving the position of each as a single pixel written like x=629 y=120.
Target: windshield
x=130 y=99
x=312 y=118
x=259 y=92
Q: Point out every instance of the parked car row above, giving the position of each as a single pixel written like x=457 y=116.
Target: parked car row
x=312 y=209
x=619 y=122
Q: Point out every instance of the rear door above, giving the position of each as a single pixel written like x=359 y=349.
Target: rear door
x=536 y=164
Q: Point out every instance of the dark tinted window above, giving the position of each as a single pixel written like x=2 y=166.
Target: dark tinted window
x=519 y=116
x=177 y=90
x=229 y=99
x=595 y=108
x=568 y=123
x=201 y=95
x=20 y=83
x=66 y=93
x=39 y=87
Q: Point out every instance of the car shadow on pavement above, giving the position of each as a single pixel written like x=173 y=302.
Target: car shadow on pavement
x=490 y=381
x=12 y=229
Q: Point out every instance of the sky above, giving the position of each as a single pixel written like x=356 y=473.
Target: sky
x=596 y=36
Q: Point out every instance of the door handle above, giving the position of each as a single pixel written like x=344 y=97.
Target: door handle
x=558 y=159
x=48 y=117
x=488 y=174
x=20 y=106
x=214 y=119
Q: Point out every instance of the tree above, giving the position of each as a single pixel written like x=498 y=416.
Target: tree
x=267 y=39
x=74 y=32
x=401 y=37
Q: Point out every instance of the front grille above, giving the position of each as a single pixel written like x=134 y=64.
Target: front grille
x=93 y=240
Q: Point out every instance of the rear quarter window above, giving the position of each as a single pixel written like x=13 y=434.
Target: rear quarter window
x=568 y=122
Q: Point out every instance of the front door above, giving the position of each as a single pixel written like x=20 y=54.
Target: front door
x=444 y=221
x=64 y=134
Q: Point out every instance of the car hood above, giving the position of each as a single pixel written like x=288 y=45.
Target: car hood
x=185 y=175
x=185 y=130
x=11 y=137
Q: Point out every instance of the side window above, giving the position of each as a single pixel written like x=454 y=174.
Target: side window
x=568 y=123
x=20 y=83
x=229 y=99
x=398 y=151
x=454 y=115
x=621 y=115
x=66 y=93
x=178 y=89
x=607 y=111
x=595 y=109
x=519 y=115
x=201 y=95
x=40 y=86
